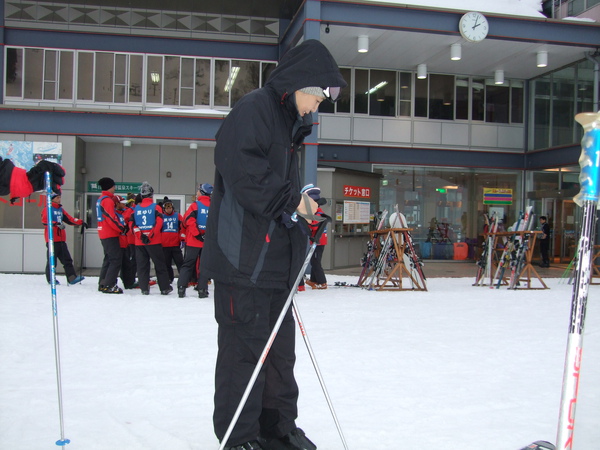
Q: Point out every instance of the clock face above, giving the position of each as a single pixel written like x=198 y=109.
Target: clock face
x=473 y=26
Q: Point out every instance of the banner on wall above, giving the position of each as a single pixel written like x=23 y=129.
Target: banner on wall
x=26 y=154
x=496 y=196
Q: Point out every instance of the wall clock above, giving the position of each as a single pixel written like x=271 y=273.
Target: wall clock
x=473 y=26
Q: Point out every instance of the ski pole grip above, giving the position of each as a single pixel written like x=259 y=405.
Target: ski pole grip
x=321 y=228
x=589 y=159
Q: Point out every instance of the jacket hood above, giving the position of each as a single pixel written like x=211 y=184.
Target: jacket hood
x=308 y=64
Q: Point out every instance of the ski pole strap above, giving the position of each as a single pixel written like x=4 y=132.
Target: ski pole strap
x=309 y=216
x=589 y=159
x=325 y=219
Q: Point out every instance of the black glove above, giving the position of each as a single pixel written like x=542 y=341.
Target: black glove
x=61 y=225
x=200 y=237
x=84 y=225
x=145 y=239
x=37 y=176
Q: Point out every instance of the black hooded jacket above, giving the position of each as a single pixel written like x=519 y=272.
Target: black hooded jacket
x=257 y=176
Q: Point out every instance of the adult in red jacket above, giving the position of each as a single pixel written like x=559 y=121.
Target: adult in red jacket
x=195 y=225
x=59 y=218
x=109 y=231
x=19 y=183
x=172 y=232
x=147 y=224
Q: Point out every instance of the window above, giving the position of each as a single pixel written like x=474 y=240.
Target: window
x=222 y=72
x=541 y=93
x=65 y=79
x=361 y=87
x=477 y=99
x=516 y=101
x=154 y=79
x=382 y=93
x=244 y=78
x=34 y=66
x=441 y=97
x=136 y=78
x=85 y=78
x=202 y=82
x=14 y=72
x=421 y=86
x=405 y=94
x=103 y=75
x=496 y=102
x=462 y=98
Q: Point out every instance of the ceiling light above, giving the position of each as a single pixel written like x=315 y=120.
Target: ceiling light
x=127 y=143
x=455 y=52
x=193 y=146
x=499 y=77
x=232 y=76
x=155 y=77
x=542 y=58
x=422 y=71
x=363 y=44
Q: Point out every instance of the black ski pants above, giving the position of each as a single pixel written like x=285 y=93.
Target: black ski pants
x=145 y=253
x=317 y=274
x=544 y=249
x=128 y=266
x=246 y=317
x=61 y=253
x=187 y=272
x=173 y=255
x=113 y=259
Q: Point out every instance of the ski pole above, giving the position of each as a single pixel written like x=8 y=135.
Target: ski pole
x=62 y=441
x=273 y=335
x=318 y=371
x=588 y=200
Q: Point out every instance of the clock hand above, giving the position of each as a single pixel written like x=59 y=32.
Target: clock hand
x=476 y=24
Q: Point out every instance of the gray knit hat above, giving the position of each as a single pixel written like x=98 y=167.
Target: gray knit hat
x=146 y=190
x=313 y=90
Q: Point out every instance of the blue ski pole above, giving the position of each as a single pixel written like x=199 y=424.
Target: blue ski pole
x=588 y=200
x=62 y=441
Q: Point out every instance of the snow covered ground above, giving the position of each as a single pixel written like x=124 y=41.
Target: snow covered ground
x=457 y=367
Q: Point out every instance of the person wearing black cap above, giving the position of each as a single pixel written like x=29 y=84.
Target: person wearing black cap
x=109 y=230
x=59 y=218
x=254 y=249
x=147 y=222
x=195 y=226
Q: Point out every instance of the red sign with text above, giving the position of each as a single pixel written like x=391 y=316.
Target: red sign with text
x=357 y=191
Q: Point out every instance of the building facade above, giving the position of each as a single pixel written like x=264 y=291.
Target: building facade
x=441 y=119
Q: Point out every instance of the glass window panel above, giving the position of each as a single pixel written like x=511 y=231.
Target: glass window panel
x=65 y=80
x=34 y=65
x=11 y=216
x=136 y=77
x=187 y=97
x=154 y=79
x=32 y=207
x=421 y=86
x=14 y=72
x=462 y=98
x=441 y=97
x=343 y=103
x=267 y=68
x=50 y=74
x=120 y=68
x=85 y=80
x=187 y=72
x=382 y=97
x=171 y=83
x=477 y=99
x=202 y=82
x=541 y=111
x=221 y=96
x=563 y=106
x=496 y=102
x=244 y=78
x=103 y=91
x=361 y=86
x=516 y=102
x=405 y=94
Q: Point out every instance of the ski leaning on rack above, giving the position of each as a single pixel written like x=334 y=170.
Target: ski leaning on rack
x=411 y=258
x=511 y=247
x=368 y=260
x=484 y=264
x=517 y=264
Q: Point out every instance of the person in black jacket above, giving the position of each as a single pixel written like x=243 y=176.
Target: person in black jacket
x=545 y=242
x=254 y=248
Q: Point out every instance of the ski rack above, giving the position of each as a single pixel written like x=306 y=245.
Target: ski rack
x=389 y=278
x=528 y=273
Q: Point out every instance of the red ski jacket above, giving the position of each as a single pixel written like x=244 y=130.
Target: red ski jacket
x=59 y=216
x=108 y=223
x=195 y=224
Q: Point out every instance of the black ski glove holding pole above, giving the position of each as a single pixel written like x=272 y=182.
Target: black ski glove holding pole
x=37 y=173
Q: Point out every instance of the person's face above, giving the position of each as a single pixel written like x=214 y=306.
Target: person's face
x=56 y=199
x=307 y=103
x=168 y=209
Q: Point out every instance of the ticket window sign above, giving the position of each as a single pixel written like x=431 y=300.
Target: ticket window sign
x=356 y=212
x=357 y=191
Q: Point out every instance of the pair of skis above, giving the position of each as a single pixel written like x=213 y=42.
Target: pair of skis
x=484 y=264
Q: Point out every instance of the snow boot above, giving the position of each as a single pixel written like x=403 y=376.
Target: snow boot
x=167 y=291
x=77 y=279
x=250 y=445
x=294 y=440
x=181 y=291
x=145 y=292
x=112 y=290
x=202 y=293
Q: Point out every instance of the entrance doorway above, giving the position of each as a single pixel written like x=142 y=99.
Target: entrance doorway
x=563 y=218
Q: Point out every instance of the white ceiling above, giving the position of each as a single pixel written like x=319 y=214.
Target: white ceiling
x=402 y=50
